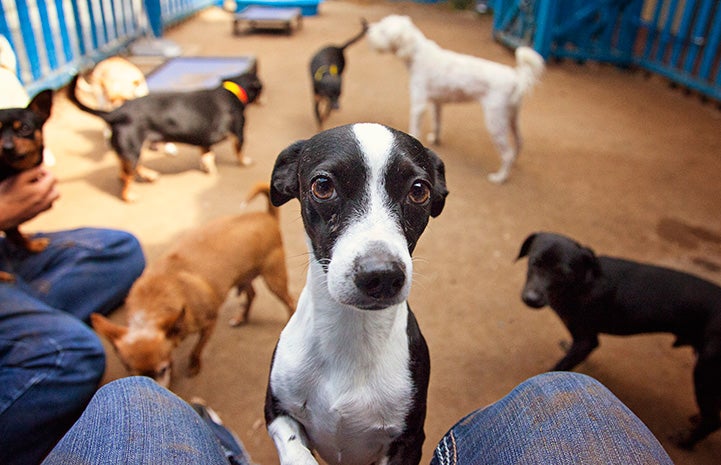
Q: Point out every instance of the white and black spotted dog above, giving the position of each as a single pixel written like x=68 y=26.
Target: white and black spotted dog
x=349 y=375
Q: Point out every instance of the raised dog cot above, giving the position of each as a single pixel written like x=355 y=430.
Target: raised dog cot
x=54 y=39
x=678 y=39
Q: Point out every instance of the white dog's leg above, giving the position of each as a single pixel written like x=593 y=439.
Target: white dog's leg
x=434 y=137
x=500 y=120
x=291 y=442
x=417 y=110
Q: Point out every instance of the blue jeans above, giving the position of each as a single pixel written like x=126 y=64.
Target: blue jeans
x=554 y=419
x=50 y=361
x=135 y=421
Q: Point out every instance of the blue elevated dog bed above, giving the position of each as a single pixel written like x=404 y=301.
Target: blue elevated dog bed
x=307 y=7
x=193 y=73
x=268 y=17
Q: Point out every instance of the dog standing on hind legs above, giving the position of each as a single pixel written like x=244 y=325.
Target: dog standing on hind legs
x=326 y=70
x=349 y=375
x=439 y=76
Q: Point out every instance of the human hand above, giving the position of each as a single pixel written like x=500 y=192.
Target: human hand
x=26 y=195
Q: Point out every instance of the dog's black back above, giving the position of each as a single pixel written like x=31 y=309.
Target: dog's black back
x=21 y=135
x=326 y=70
x=202 y=117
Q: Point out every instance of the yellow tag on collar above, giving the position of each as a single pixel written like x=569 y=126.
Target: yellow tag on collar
x=332 y=70
x=236 y=90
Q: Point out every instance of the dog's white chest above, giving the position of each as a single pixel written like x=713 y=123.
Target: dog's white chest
x=350 y=394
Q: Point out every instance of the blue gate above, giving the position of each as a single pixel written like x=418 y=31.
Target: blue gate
x=679 y=39
x=53 y=39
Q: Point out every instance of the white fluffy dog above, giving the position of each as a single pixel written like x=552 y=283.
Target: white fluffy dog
x=439 y=76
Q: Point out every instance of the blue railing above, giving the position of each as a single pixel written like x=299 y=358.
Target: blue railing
x=678 y=39
x=53 y=39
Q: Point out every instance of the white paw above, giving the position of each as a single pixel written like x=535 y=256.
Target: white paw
x=498 y=177
x=170 y=149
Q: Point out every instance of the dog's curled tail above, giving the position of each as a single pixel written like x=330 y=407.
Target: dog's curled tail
x=109 y=117
x=529 y=66
x=260 y=188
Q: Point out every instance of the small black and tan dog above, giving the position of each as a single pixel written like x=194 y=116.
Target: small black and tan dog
x=201 y=118
x=21 y=148
x=604 y=295
x=326 y=69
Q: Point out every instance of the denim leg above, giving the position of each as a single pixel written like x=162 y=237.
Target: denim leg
x=555 y=418
x=82 y=271
x=134 y=420
x=50 y=366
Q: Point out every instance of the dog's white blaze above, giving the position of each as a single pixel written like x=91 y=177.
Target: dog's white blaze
x=374 y=224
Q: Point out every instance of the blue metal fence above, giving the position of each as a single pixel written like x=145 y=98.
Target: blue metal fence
x=678 y=39
x=53 y=39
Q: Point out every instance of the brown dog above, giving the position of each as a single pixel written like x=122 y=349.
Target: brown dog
x=181 y=293
x=113 y=82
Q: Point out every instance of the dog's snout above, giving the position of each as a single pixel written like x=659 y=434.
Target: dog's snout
x=533 y=298
x=379 y=277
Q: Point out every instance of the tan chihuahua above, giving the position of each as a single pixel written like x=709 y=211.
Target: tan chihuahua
x=181 y=292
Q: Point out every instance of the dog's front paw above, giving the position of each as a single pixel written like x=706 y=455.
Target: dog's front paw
x=146 y=174
x=207 y=163
x=245 y=161
x=298 y=456
x=499 y=177
x=6 y=277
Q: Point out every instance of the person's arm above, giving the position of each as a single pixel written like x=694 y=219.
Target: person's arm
x=24 y=196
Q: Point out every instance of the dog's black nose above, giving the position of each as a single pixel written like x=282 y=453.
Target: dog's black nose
x=379 y=277
x=533 y=299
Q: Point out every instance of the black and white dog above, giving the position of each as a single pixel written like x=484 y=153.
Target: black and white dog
x=349 y=375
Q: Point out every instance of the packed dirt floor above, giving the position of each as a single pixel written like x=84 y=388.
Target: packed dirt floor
x=617 y=159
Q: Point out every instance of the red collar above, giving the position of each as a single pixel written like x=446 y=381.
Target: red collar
x=236 y=90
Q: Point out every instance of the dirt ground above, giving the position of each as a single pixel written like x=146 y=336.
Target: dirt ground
x=616 y=159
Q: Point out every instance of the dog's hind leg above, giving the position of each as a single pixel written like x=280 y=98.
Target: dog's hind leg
x=242 y=316
x=276 y=277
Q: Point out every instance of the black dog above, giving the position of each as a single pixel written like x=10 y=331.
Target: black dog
x=595 y=295
x=21 y=148
x=326 y=70
x=202 y=118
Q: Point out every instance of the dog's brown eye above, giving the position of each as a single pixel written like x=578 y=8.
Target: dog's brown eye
x=23 y=130
x=419 y=193
x=322 y=188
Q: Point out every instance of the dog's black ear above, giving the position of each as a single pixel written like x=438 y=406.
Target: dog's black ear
x=284 y=180
x=526 y=246
x=41 y=105
x=440 y=192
